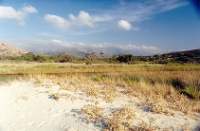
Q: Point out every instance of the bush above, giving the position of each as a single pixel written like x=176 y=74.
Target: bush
x=125 y=59
x=40 y=58
x=63 y=58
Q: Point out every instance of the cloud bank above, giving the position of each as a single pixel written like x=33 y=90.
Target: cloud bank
x=56 y=46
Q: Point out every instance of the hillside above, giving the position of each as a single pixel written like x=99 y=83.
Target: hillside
x=7 y=50
x=187 y=56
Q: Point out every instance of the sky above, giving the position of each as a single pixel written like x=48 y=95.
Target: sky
x=140 y=27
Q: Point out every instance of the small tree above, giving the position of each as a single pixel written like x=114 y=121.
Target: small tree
x=90 y=57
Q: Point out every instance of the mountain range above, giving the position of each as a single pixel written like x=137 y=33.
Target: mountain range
x=7 y=50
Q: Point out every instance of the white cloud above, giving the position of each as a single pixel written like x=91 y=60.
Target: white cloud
x=57 y=21
x=83 y=19
x=123 y=24
x=10 y=13
x=7 y=12
x=30 y=9
x=136 y=11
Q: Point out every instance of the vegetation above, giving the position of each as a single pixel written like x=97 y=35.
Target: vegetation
x=31 y=57
x=192 y=56
x=164 y=83
x=183 y=78
x=24 y=68
x=125 y=58
x=160 y=88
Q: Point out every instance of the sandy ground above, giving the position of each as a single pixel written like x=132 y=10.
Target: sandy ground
x=25 y=106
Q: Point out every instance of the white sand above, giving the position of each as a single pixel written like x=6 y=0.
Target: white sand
x=27 y=107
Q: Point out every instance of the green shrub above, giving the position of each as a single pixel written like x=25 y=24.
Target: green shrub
x=63 y=58
x=32 y=57
x=192 y=92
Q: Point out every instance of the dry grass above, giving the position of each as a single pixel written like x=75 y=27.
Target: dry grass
x=120 y=120
x=161 y=87
x=65 y=68
x=161 y=90
x=93 y=113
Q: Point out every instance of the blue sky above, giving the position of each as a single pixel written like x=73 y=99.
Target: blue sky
x=126 y=26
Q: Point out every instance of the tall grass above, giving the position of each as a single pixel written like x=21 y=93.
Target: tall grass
x=160 y=87
x=160 y=91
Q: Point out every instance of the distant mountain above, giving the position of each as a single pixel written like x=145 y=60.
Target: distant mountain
x=80 y=49
x=8 y=50
x=187 y=56
x=51 y=49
